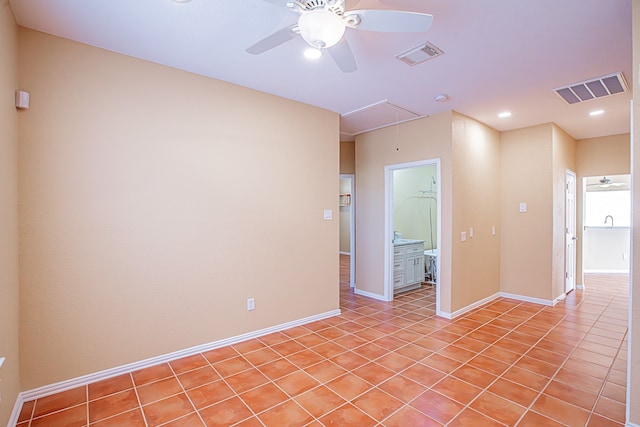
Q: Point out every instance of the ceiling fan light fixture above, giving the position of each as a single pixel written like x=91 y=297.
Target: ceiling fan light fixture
x=321 y=28
x=312 y=53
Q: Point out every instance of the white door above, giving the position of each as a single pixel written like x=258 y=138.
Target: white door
x=570 y=233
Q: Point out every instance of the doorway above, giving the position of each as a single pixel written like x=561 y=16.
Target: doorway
x=412 y=218
x=347 y=223
x=570 y=233
x=606 y=237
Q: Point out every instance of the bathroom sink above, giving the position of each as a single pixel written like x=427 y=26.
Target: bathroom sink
x=406 y=241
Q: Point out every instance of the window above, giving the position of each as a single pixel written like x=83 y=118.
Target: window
x=600 y=204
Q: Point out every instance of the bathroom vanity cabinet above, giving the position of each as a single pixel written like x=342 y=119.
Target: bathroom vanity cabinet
x=408 y=264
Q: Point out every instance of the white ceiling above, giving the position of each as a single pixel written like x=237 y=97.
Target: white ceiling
x=499 y=55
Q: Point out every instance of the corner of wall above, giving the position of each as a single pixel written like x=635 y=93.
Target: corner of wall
x=9 y=291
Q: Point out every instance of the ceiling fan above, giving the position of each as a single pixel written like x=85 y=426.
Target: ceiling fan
x=322 y=24
x=605 y=183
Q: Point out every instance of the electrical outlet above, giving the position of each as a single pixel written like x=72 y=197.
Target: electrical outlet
x=251 y=304
x=493 y=230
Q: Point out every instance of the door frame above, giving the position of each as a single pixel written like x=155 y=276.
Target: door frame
x=388 y=223
x=352 y=227
x=570 y=232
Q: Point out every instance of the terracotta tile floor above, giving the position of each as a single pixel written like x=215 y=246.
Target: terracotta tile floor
x=387 y=364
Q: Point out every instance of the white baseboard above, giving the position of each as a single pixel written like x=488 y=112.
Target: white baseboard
x=559 y=298
x=15 y=414
x=527 y=299
x=579 y=286
x=344 y=253
x=369 y=294
x=468 y=308
x=47 y=390
x=630 y=424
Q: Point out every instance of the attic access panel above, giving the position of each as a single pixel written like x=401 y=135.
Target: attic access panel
x=374 y=116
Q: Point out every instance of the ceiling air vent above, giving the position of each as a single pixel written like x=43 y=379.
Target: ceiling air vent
x=420 y=54
x=595 y=88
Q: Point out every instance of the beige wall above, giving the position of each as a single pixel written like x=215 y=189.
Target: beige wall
x=150 y=212
x=475 y=263
x=564 y=155
x=526 y=238
x=348 y=157
x=633 y=385
x=609 y=155
x=422 y=139
x=9 y=303
x=469 y=156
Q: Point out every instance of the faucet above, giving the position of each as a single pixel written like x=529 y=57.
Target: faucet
x=606 y=218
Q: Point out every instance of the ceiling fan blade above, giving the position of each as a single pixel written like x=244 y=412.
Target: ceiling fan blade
x=343 y=57
x=274 y=40
x=392 y=21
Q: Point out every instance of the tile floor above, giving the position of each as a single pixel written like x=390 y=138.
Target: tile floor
x=386 y=364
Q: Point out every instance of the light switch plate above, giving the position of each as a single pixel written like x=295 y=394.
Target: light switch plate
x=328 y=214
x=523 y=207
x=463 y=236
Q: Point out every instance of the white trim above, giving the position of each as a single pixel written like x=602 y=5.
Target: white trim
x=15 y=414
x=47 y=390
x=352 y=228
x=470 y=307
x=579 y=286
x=570 y=270
x=526 y=298
x=369 y=294
x=607 y=271
x=560 y=298
x=630 y=424
x=344 y=253
x=630 y=315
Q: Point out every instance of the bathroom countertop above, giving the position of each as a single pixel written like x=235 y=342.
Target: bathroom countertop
x=401 y=242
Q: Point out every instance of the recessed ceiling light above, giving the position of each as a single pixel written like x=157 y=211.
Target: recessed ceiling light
x=596 y=112
x=312 y=53
x=504 y=114
x=181 y=1
x=441 y=98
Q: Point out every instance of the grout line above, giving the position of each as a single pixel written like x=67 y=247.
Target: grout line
x=86 y=394
x=187 y=394
x=135 y=390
